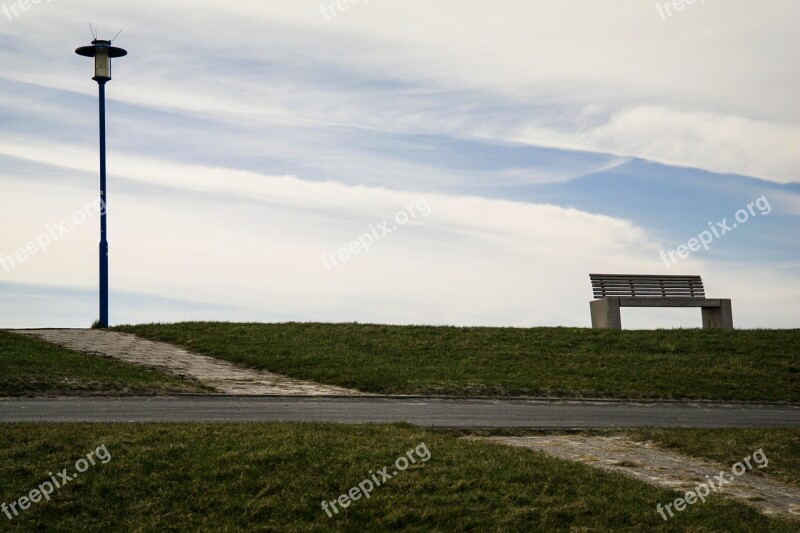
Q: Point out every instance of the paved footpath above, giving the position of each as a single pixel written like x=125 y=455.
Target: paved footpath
x=664 y=468
x=225 y=377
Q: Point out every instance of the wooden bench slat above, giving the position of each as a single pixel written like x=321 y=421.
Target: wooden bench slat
x=652 y=291
x=628 y=295
x=645 y=278
x=629 y=287
x=660 y=276
x=648 y=283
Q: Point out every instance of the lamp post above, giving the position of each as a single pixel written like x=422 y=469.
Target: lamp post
x=102 y=52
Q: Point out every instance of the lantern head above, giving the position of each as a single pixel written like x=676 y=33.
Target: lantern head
x=102 y=52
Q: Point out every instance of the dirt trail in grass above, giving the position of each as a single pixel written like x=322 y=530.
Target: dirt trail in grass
x=645 y=462
x=222 y=375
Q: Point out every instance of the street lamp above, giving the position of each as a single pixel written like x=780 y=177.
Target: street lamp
x=102 y=52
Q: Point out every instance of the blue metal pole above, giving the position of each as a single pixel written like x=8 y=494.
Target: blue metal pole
x=103 y=206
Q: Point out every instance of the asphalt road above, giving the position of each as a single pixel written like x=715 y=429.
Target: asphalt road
x=429 y=412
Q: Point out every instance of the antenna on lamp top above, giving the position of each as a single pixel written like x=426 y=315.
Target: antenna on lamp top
x=117 y=35
x=91 y=29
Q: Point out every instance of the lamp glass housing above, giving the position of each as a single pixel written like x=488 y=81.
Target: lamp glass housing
x=102 y=64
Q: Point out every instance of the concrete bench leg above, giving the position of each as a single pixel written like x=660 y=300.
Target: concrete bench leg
x=605 y=314
x=718 y=317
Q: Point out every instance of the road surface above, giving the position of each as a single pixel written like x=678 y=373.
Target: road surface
x=428 y=412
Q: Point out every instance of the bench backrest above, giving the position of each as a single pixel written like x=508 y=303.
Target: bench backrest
x=632 y=286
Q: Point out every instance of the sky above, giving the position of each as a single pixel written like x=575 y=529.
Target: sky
x=418 y=162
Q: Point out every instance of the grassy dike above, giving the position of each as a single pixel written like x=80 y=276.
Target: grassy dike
x=273 y=477
x=747 y=365
x=35 y=367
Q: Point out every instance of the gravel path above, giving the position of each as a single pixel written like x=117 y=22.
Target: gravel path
x=647 y=463
x=225 y=377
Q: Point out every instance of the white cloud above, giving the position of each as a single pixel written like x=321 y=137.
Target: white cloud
x=723 y=144
x=254 y=242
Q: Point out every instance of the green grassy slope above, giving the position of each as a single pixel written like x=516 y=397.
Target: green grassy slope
x=755 y=365
x=273 y=477
x=35 y=367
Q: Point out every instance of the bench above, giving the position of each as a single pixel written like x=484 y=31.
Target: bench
x=613 y=291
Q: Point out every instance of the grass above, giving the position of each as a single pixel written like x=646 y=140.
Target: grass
x=729 y=446
x=747 y=365
x=35 y=367
x=273 y=477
